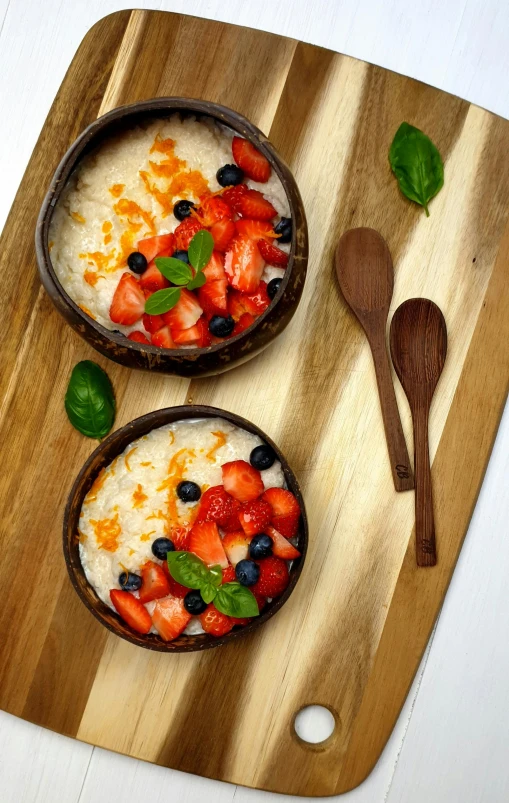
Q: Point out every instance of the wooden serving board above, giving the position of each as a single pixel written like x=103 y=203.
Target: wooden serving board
x=353 y=632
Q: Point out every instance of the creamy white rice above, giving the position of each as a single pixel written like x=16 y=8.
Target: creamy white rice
x=133 y=502
x=93 y=228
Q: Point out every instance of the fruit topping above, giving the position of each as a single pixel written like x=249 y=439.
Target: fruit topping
x=233 y=196
x=284 y=229
x=254 y=205
x=223 y=233
x=151 y=247
x=272 y=255
x=282 y=548
x=184 y=314
x=153 y=323
x=128 y=303
x=205 y=542
x=137 y=262
x=221 y=327
x=229 y=175
x=244 y=264
x=138 y=337
x=188 y=491
x=154 y=582
x=217 y=505
x=254 y=164
x=228 y=574
x=247 y=572
x=254 y=229
x=261 y=546
x=161 y=547
x=153 y=280
x=255 y=516
x=128 y=581
x=273 y=579
x=273 y=287
x=286 y=510
x=215 y=622
x=242 y=481
x=243 y=323
x=170 y=618
x=182 y=255
x=162 y=338
x=182 y=209
x=194 y=603
x=185 y=232
x=213 y=209
x=236 y=546
x=262 y=457
x=131 y=610
x=180 y=537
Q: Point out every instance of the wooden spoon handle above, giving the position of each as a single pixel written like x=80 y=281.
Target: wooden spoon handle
x=425 y=545
x=396 y=444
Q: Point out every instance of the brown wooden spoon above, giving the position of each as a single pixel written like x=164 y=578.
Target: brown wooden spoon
x=418 y=347
x=366 y=279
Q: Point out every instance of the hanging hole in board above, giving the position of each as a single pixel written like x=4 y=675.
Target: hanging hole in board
x=314 y=724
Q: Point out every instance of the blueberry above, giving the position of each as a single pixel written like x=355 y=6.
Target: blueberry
x=182 y=209
x=188 y=491
x=221 y=327
x=129 y=581
x=137 y=262
x=262 y=457
x=229 y=175
x=182 y=255
x=161 y=547
x=247 y=572
x=117 y=332
x=261 y=546
x=284 y=228
x=193 y=603
x=273 y=287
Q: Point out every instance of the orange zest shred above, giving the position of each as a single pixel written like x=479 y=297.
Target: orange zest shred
x=92 y=277
x=221 y=440
x=117 y=189
x=107 y=239
x=190 y=183
x=107 y=532
x=128 y=455
x=51 y=244
x=176 y=470
x=146 y=463
x=130 y=210
x=131 y=552
x=168 y=167
x=82 y=537
x=87 y=311
x=172 y=436
x=96 y=487
x=138 y=496
x=106 y=226
x=77 y=217
x=165 y=146
x=146 y=536
x=158 y=515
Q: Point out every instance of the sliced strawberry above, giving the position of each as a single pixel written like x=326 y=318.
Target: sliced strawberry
x=176 y=590
x=254 y=164
x=282 y=502
x=185 y=232
x=215 y=622
x=260 y=599
x=244 y=265
x=153 y=323
x=128 y=302
x=273 y=255
x=254 y=229
x=257 y=302
x=243 y=323
x=138 y=337
x=170 y=618
x=184 y=314
x=154 y=583
x=255 y=517
x=214 y=269
x=213 y=298
x=163 y=339
x=254 y=205
x=242 y=481
x=213 y=209
x=197 y=335
x=223 y=233
x=228 y=575
x=282 y=548
x=131 y=610
x=216 y=505
x=274 y=577
x=206 y=543
x=153 y=279
x=287 y=525
x=152 y=247
x=240 y=622
x=232 y=196
x=179 y=536
x=236 y=546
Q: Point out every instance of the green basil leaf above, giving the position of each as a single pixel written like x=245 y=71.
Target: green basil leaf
x=236 y=600
x=174 y=270
x=188 y=570
x=89 y=400
x=200 y=249
x=417 y=164
x=198 y=281
x=216 y=575
x=208 y=593
x=162 y=301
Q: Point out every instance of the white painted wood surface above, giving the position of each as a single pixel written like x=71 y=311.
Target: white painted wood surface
x=450 y=742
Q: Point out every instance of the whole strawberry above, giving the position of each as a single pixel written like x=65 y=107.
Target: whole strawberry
x=255 y=516
x=215 y=622
x=219 y=506
x=274 y=578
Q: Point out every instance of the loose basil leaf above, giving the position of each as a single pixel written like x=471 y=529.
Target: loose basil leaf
x=174 y=270
x=200 y=249
x=208 y=593
x=417 y=164
x=235 y=600
x=162 y=301
x=216 y=575
x=89 y=400
x=188 y=570
x=198 y=281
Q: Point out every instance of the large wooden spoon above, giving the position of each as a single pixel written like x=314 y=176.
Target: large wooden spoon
x=366 y=279
x=418 y=347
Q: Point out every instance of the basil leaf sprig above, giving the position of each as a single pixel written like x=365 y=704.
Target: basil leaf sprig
x=231 y=599
x=89 y=400
x=417 y=164
x=180 y=274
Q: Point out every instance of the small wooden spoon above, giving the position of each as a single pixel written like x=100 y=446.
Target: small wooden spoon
x=418 y=347
x=366 y=279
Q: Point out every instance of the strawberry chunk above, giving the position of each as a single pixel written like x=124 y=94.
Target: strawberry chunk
x=138 y=337
x=243 y=323
x=217 y=505
x=184 y=314
x=282 y=548
x=254 y=229
x=185 y=232
x=170 y=618
x=213 y=298
x=223 y=233
x=154 y=583
x=254 y=164
x=153 y=279
x=163 y=339
x=241 y=480
x=215 y=622
x=254 y=205
x=257 y=302
x=132 y=611
x=179 y=535
x=176 y=590
x=273 y=255
x=274 y=577
x=212 y=210
x=128 y=302
x=153 y=323
x=151 y=247
x=236 y=546
x=197 y=335
x=206 y=543
x=228 y=575
x=287 y=525
x=244 y=265
x=282 y=502
x=254 y=517
x=232 y=196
